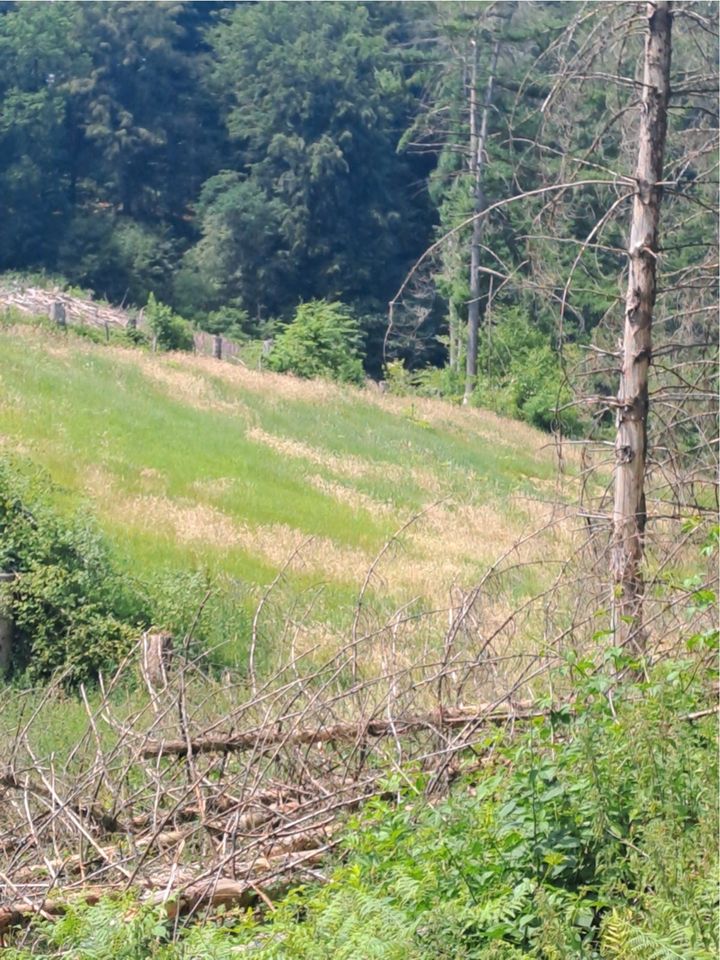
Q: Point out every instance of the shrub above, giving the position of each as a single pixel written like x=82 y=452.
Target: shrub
x=322 y=341
x=70 y=606
x=230 y=320
x=521 y=375
x=169 y=331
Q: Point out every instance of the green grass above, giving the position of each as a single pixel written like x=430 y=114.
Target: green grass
x=192 y=467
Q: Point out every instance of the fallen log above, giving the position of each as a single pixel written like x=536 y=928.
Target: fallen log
x=23 y=910
x=274 y=735
x=274 y=877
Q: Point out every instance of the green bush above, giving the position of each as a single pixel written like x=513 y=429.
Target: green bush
x=71 y=608
x=590 y=836
x=428 y=382
x=232 y=321
x=169 y=331
x=322 y=341
x=520 y=374
x=122 y=336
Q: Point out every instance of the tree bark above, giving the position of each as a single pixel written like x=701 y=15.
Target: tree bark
x=454 y=330
x=478 y=138
x=629 y=511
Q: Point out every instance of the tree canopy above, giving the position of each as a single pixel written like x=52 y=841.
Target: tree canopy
x=238 y=160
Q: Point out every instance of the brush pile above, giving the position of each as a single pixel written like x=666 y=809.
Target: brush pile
x=39 y=303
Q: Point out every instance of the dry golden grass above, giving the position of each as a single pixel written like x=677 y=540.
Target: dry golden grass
x=483 y=424
x=215 y=487
x=186 y=375
x=201 y=525
x=186 y=386
x=272 y=386
x=449 y=546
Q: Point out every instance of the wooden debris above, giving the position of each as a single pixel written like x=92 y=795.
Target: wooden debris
x=336 y=733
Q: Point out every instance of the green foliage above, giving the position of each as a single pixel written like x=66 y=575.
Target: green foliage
x=313 y=96
x=239 y=256
x=119 y=258
x=322 y=341
x=232 y=321
x=520 y=374
x=249 y=157
x=583 y=821
x=170 y=332
x=428 y=382
x=71 y=608
x=76 y=611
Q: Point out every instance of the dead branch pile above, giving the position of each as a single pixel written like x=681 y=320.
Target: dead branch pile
x=257 y=809
x=39 y=302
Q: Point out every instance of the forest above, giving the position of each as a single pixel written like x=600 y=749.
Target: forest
x=238 y=160
x=358 y=480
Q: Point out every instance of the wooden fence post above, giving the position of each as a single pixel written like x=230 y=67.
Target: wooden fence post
x=6 y=630
x=57 y=313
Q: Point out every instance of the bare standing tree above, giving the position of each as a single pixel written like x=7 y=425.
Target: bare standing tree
x=629 y=511
x=478 y=138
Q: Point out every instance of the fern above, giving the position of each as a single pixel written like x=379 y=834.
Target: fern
x=624 y=939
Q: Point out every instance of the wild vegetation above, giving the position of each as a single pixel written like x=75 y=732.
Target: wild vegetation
x=592 y=833
x=297 y=663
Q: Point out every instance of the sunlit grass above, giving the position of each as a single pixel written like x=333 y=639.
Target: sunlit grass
x=191 y=465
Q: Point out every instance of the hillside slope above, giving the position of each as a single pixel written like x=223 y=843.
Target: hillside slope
x=192 y=464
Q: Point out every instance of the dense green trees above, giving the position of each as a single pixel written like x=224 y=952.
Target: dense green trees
x=313 y=96
x=237 y=156
x=237 y=160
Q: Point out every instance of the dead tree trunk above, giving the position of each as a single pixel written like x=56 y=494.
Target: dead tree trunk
x=629 y=512
x=478 y=138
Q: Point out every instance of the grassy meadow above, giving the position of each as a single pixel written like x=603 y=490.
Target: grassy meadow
x=193 y=465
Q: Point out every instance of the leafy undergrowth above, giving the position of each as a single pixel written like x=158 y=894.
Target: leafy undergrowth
x=590 y=835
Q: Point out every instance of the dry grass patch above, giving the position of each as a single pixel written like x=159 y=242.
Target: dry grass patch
x=11 y=445
x=347 y=466
x=353 y=498
x=201 y=525
x=215 y=488
x=277 y=542
x=100 y=485
x=453 y=545
x=188 y=523
x=454 y=418
x=188 y=387
x=272 y=386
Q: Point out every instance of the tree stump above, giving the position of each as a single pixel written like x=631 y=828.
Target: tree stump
x=157 y=648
